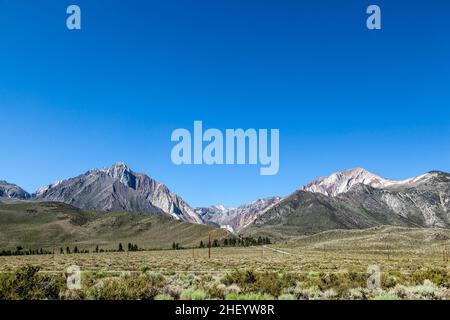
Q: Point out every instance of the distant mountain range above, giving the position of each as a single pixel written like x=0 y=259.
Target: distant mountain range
x=351 y=199
x=236 y=219
x=357 y=199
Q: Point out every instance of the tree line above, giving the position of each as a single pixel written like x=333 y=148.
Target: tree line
x=20 y=251
x=131 y=247
x=229 y=242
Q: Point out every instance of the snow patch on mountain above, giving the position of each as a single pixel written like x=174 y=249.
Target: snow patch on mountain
x=341 y=182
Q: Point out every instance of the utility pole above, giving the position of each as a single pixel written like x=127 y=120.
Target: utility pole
x=445 y=256
x=209 y=245
x=446 y=252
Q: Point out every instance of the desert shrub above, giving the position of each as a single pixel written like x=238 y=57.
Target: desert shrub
x=172 y=290
x=267 y=282
x=142 y=287
x=241 y=278
x=273 y=283
x=193 y=293
x=215 y=290
x=340 y=282
x=73 y=295
x=248 y=296
x=428 y=290
x=385 y=296
x=388 y=281
x=298 y=292
x=329 y=294
x=286 y=296
x=163 y=296
x=156 y=278
x=27 y=284
x=89 y=279
x=443 y=294
x=355 y=294
x=437 y=276
x=145 y=268
x=328 y=281
x=233 y=288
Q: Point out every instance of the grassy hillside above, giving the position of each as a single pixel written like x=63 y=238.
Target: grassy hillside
x=383 y=238
x=51 y=224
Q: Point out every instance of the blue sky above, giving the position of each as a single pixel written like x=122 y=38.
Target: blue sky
x=341 y=95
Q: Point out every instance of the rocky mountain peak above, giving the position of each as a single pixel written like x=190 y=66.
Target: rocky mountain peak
x=341 y=182
x=10 y=190
x=118 y=188
x=123 y=173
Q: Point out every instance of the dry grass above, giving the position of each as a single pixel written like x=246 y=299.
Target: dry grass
x=331 y=265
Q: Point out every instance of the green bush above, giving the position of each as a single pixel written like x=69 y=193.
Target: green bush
x=215 y=290
x=142 y=287
x=241 y=278
x=267 y=282
x=193 y=293
x=437 y=276
x=27 y=284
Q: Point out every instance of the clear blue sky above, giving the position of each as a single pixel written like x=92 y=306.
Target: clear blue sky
x=341 y=95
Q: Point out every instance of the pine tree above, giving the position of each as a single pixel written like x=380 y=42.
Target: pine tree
x=174 y=246
x=68 y=250
x=75 y=250
x=120 y=247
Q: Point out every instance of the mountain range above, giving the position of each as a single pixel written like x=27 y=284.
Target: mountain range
x=352 y=199
x=236 y=219
x=118 y=188
x=357 y=199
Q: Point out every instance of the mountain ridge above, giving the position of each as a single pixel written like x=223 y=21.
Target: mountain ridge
x=353 y=198
x=343 y=181
x=422 y=201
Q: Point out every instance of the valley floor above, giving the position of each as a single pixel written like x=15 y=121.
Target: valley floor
x=331 y=265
